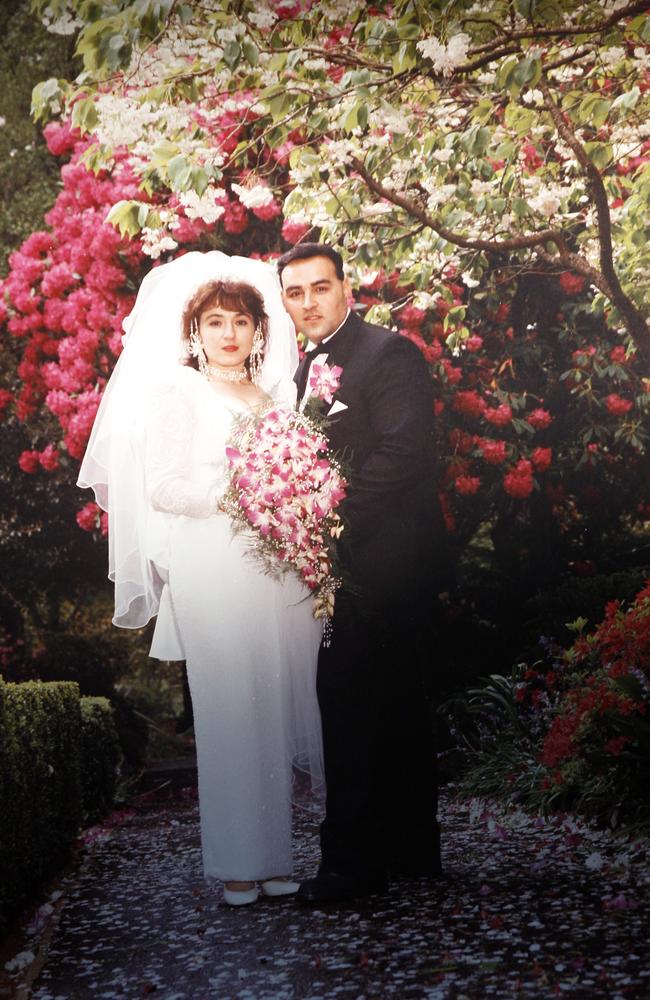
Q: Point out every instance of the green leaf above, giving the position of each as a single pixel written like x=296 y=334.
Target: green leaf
x=593 y=110
x=520 y=120
x=179 y=172
x=125 y=216
x=527 y=72
x=84 y=115
x=163 y=152
x=232 y=54
x=44 y=95
x=405 y=58
x=251 y=54
x=628 y=100
x=476 y=140
x=600 y=153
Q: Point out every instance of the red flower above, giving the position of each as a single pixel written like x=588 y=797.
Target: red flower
x=542 y=458
x=500 y=416
x=519 y=481
x=571 y=284
x=469 y=403
x=88 y=517
x=617 y=405
x=5 y=399
x=540 y=419
x=293 y=231
x=493 y=452
x=235 y=217
x=467 y=485
x=49 y=458
x=29 y=461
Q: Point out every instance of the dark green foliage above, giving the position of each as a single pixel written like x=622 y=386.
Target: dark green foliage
x=58 y=759
x=100 y=757
x=40 y=784
x=29 y=176
x=95 y=663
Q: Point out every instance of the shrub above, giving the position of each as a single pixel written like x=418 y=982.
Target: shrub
x=100 y=757
x=572 y=731
x=40 y=784
x=58 y=758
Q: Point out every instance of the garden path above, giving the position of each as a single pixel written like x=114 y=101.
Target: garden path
x=525 y=909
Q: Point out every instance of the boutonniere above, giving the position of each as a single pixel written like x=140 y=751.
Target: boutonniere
x=324 y=380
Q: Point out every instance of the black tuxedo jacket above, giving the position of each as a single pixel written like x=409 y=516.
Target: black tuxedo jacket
x=391 y=512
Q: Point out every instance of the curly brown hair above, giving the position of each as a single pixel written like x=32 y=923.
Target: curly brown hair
x=235 y=296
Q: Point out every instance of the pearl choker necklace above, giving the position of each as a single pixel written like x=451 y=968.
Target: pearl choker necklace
x=225 y=375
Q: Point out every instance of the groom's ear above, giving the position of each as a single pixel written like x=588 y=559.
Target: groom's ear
x=347 y=288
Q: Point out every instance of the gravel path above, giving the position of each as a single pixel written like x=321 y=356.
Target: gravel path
x=525 y=909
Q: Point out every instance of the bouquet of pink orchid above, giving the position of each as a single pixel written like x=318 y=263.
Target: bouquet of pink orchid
x=286 y=485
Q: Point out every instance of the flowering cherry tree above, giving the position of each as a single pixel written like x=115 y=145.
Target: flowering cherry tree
x=484 y=166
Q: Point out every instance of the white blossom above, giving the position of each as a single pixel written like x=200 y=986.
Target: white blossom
x=263 y=18
x=612 y=56
x=63 y=24
x=204 y=207
x=316 y=65
x=425 y=300
x=378 y=208
x=546 y=202
x=533 y=97
x=642 y=59
x=445 y=58
x=253 y=197
x=479 y=187
x=468 y=280
x=155 y=241
x=442 y=155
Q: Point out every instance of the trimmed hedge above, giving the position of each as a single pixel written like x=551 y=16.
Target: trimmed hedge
x=57 y=765
x=100 y=757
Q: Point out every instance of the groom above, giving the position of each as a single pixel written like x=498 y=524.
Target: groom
x=372 y=684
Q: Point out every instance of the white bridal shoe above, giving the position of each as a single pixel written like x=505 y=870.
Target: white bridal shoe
x=240 y=897
x=280 y=887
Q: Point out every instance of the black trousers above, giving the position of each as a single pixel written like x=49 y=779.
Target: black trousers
x=380 y=762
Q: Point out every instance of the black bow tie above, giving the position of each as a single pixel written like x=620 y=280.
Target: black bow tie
x=321 y=348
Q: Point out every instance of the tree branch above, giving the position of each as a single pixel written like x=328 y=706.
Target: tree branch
x=417 y=212
x=634 y=319
x=568 y=31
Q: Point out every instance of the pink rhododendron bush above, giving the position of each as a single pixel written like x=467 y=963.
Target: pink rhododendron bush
x=485 y=169
x=572 y=731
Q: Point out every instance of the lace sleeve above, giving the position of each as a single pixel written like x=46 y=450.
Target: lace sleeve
x=171 y=425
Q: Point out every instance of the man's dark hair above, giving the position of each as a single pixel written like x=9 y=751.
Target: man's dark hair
x=303 y=251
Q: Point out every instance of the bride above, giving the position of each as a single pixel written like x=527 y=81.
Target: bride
x=207 y=343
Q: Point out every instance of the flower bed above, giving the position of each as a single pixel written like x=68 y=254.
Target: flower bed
x=573 y=730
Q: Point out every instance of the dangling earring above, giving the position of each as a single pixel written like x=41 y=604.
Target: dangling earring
x=256 y=357
x=196 y=347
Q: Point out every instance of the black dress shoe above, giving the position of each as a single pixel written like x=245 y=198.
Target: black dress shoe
x=332 y=887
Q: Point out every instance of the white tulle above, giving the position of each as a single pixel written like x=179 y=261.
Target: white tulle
x=250 y=640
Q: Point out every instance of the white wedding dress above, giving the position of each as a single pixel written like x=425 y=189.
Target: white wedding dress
x=250 y=640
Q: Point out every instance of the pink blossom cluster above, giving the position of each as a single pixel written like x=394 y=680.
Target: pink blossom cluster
x=286 y=486
x=324 y=380
x=66 y=297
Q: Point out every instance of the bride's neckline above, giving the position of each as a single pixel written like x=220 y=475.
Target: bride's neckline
x=227 y=398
